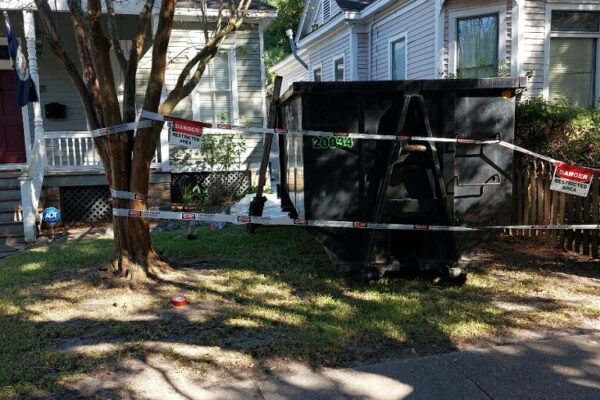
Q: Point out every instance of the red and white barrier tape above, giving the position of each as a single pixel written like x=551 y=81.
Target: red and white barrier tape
x=122 y=128
x=122 y=194
x=227 y=128
x=246 y=219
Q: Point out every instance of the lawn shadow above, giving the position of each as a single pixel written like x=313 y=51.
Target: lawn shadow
x=257 y=303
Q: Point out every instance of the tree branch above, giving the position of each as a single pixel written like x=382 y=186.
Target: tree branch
x=183 y=89
x=135 y=54
x=100 y=47
x=87 y=67
x=203 y=9
x=113 y=34
x=146 y=139
x=78 y=14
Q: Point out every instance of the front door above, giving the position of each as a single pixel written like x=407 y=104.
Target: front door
x=12 y=142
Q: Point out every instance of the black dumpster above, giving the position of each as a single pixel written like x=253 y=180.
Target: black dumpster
x=387 y=181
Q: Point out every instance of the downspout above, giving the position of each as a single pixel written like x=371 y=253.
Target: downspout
x=290 y=34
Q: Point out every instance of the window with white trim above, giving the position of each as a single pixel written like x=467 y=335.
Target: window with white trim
x=213 y=92
x=573 y=69
x=398 y=58
x=339 y=69
x=477 y=40
x=317 y=74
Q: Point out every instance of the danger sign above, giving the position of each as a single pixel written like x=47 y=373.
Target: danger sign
x=572 y=179
x=186 y=133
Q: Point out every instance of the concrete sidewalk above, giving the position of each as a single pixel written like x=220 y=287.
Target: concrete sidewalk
x=566 y=367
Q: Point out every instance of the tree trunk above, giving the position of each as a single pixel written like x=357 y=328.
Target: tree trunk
x=134 y=256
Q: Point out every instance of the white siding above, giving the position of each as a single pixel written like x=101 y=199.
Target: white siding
x=419 y=24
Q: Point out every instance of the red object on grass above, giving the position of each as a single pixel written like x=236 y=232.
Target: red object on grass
x=179 y=301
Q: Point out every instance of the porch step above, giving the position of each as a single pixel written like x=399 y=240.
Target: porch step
x=10 y=230
x=10 y=204
x=9 y=180
x=9 y=214
x=10 y=194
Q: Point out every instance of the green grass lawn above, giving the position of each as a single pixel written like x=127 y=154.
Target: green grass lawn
x=260 y=299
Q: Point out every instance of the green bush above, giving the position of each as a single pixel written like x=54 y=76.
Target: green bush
x=558 y=130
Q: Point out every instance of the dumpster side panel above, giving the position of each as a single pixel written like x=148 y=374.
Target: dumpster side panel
x=342 y=175
x=482 y=185
x=336 y=179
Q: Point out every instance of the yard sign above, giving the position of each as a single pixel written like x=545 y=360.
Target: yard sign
x=572 y=179
x=186 y=133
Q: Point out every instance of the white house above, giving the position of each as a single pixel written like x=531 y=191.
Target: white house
x=46 y=149
x=554 y=42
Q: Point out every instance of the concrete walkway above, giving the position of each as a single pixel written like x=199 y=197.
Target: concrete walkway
x=566 y=367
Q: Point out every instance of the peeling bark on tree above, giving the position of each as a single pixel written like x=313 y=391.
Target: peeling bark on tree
x=127 y=157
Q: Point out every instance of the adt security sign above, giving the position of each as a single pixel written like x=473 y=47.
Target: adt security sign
x=51 y=215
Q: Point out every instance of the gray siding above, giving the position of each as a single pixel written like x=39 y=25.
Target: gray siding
x=363 y=56
x=56 y=86
x=294 y=72
x=324 y=53
x=335 y=9
x=419 y=24
x=185 y=36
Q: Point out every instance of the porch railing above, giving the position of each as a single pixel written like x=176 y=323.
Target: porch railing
x=75 y=151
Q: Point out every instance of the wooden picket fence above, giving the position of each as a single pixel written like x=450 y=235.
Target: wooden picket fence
x=535 y=203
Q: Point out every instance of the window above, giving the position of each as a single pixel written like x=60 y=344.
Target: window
x=338 y=69
x=398 y=58
x=214 y=92
x=575 y=21
x=477 y=46
x=572 y=73
x=317 y=74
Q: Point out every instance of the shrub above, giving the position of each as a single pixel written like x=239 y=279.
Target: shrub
x=558 y=130
x=221 y=154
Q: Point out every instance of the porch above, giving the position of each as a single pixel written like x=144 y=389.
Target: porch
x=51 y=147
x=37 y=157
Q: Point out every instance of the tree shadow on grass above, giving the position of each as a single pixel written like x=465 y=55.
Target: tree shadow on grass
x=248 y=314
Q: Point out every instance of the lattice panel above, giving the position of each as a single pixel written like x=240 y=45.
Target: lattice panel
x=85 y=203
x=236 y=182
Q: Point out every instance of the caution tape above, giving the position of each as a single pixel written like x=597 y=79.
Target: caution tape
x=228 y=128
x=130 y=126
x=122 y=194
x=282 y=221
x=149 y=116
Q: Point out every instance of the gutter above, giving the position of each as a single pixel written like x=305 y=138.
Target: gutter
x=290 y=34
